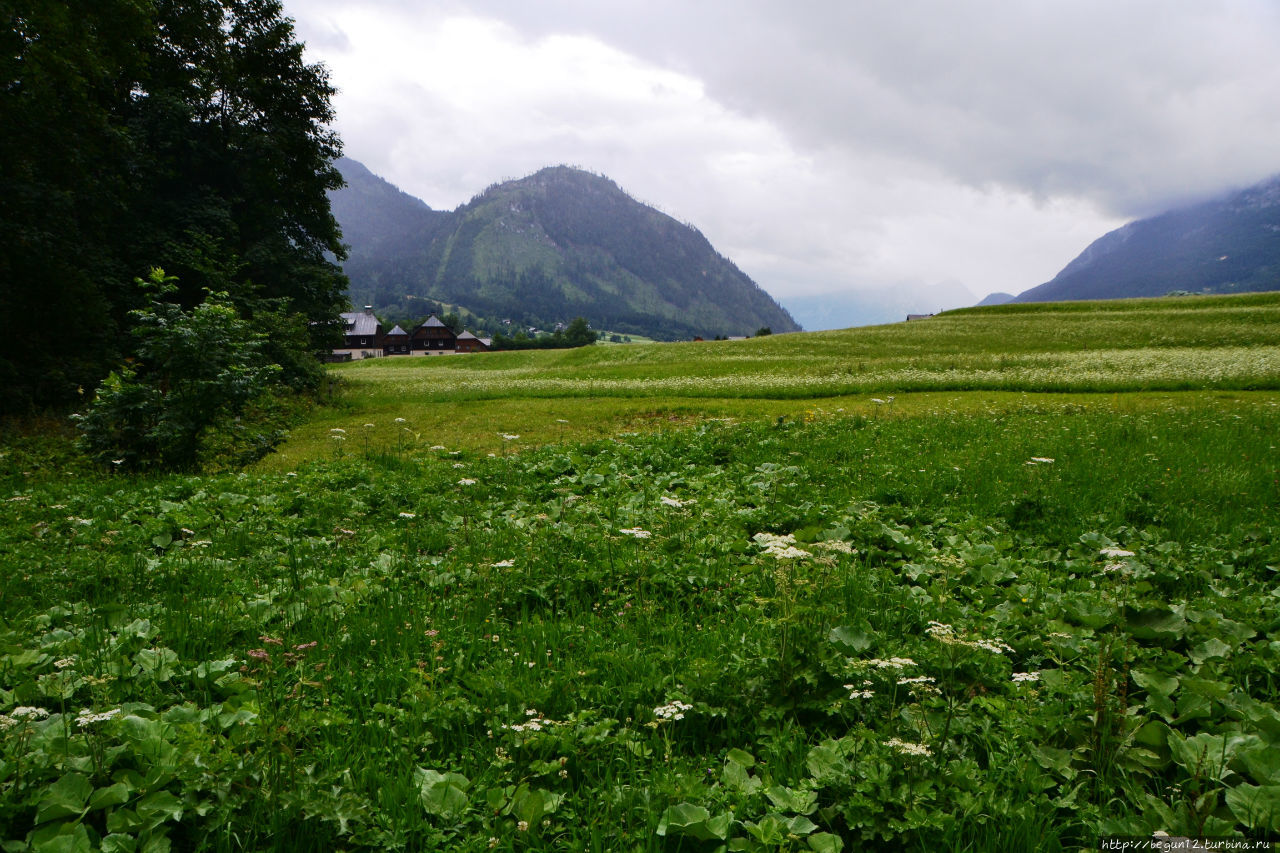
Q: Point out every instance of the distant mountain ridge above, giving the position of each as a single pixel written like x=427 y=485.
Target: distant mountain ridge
x=1228 y=245
x=555 y=245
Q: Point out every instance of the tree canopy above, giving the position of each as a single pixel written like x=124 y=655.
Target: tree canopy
x=185 y=134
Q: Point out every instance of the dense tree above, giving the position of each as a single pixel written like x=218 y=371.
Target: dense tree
x=187 y=134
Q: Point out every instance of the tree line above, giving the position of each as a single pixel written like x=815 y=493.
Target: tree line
x=189 y=136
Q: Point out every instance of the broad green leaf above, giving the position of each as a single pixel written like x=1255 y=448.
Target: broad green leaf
x=1210 y=648
x=64 y=798
x=1155 y=623
x=113 y=795
x=442 y=794
x=119 y=843
x=1155 y=682
x=532 y=804
x=157 y=807
x=790 y=800
x=1256 y=806
x=61 y=838
x=825 y=842
x=826 y=764
x=740 y=757
x=853 y=639
x=694 y=821
x=1262 y=762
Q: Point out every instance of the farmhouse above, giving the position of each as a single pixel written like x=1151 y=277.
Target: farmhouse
x=363 y=337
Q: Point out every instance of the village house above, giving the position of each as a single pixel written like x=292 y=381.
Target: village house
x=363 y=337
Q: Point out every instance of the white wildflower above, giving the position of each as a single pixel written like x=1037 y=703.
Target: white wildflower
x=337 y=431
x=908 y=748
x=780 y=547
x=855 y=693
x=919 y=679
x=438 y=447
x=672 y=711
x=401 y=420
x=673 y=502
x=64 y=663
x=408 y=515
x=1026 y=677
x=87 y=718
x=506 y=436
x=466 y=481
x=637 y=532
x=502 y=564
x=1115 y=553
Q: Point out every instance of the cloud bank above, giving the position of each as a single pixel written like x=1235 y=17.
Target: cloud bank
x=931 y=150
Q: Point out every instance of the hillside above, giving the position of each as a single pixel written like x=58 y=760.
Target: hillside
x=544 y=249
x=1228 y=245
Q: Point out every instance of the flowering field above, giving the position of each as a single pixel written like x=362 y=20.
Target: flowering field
x=944 y=620
x=1171 y=344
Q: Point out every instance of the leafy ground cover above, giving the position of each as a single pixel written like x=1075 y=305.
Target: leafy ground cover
x=1020 y=624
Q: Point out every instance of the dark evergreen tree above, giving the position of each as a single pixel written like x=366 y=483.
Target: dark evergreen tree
x=187 y=134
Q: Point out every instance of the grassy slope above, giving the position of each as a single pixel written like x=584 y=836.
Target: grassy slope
x=1224 y=343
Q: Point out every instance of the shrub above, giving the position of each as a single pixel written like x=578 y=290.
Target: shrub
x=192 y=369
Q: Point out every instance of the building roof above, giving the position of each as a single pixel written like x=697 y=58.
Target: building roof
x=397 y=331
x=467 y=336
x=360 y=323
x=433 y=322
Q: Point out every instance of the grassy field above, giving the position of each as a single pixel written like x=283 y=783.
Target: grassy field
x=693 y=606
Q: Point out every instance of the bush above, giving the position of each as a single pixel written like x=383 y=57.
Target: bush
x=191 y=371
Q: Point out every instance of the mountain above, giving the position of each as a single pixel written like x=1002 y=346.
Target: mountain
x=558 y=244
x=1228 y=245
x=996 y=299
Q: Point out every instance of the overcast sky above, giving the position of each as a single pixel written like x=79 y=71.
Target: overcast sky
x=857 y=158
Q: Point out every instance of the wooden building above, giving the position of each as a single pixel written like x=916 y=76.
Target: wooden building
x=395 y=342
x=468 y=342
x=432 y=336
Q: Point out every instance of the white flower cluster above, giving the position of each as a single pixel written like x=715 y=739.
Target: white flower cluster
x=672 y=711
x=1026 y=677
x=1039 y=460
x=675 y=503
x=919 y=679
x=20 y=714
x=87 y=718
x=855 y=693
x=502 y=564
x=780 y=547
x=946 y=635
x=908 y=748
x=535 y=723
x=890 y=663
x=1115 y=553
x=838 y=545
x=637 y=532
x=466 y=481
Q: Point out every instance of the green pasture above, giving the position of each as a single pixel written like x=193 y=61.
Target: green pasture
x=469 y=401
x=680 y=616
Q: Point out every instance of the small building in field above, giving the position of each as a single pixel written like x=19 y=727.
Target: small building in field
x=432 y=337
x=395 y=342
x=468 y=342
x=911 y=317
x=361 y=335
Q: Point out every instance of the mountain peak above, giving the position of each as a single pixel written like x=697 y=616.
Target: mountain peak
x=560 y=243
x=1227 y=245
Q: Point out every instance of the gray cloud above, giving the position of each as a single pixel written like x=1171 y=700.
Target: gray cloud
x=825 y=146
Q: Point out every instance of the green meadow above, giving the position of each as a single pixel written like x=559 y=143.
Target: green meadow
x=1003 y=579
